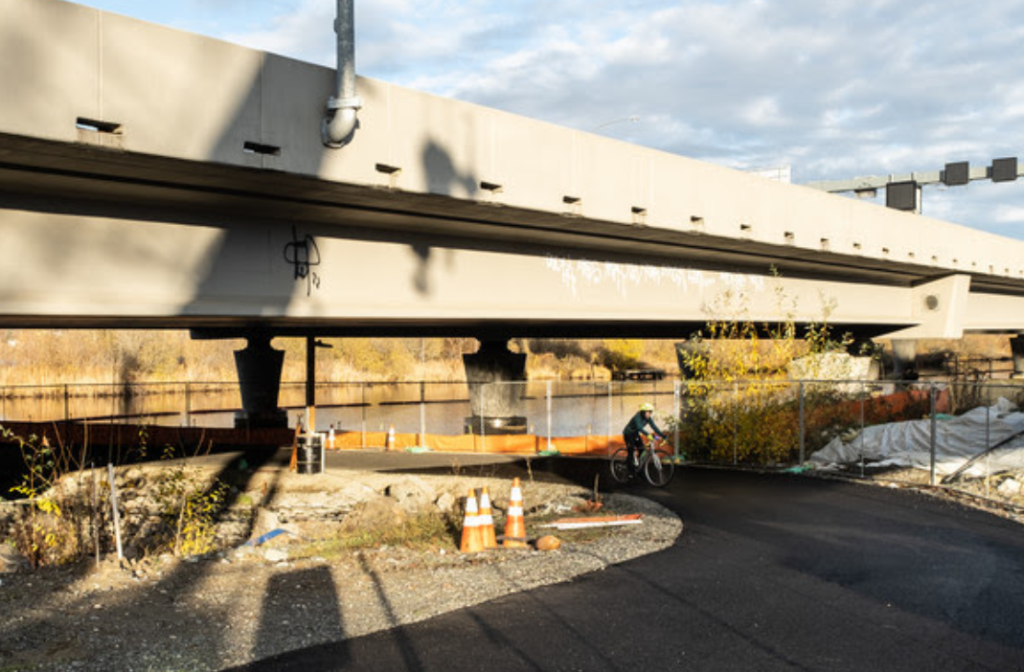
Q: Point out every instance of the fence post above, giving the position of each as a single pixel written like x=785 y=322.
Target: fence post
x=860 y=434
x=803 y=427
x=931 y=395
x=423 y=414
x=610 y=410
x=362 y=407
x=548 y=394
x=188 y=404
x=67 y=409
x=483 y=423
x=677 y=410
x=735 y=421
x=988 y=455
x=114 y=512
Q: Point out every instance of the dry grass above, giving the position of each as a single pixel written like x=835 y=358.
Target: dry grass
x=92 y=357
x=421 y=532
x=77 y=357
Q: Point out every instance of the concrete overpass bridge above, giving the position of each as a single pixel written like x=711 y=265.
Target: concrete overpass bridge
x=151 y=178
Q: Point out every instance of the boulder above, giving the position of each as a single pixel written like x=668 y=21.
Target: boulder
x=377 y=511
x=412 y=493
x=446 y=502
x=11 y=560
x=1010 y=487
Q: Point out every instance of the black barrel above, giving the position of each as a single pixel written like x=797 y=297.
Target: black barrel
x=310 y=453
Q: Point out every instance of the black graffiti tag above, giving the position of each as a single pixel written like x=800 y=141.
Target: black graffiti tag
x=303 y=254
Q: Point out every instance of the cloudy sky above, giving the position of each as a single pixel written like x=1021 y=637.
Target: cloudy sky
x=834 y=89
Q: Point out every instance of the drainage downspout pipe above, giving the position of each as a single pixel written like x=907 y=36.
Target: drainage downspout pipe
x=340 y=122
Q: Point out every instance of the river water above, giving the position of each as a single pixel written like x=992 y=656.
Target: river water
x=556 y=408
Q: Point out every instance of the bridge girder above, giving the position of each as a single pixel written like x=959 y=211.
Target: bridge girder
x=195 y=179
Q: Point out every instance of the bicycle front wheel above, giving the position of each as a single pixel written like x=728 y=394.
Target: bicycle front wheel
x=619 y=466
x=659 y=468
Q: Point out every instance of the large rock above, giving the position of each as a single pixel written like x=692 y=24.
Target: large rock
x=11 y=560
x=377 y=511
x=1011 y=488
x=446 y=502
x=411 y=493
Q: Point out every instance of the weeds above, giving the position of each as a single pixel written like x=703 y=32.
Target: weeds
x=737 y=409
x=49 y=529
x=420 y=532
x=63 y=513
x=187 y=507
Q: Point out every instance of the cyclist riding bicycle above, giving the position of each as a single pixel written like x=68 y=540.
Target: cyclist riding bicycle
x=633 y=430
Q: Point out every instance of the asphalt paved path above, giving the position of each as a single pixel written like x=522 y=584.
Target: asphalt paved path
x=770 y=573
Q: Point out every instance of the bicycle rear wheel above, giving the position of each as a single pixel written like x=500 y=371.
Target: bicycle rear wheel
x=659 y=468
x=619 y=466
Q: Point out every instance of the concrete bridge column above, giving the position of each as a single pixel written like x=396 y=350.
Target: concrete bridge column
x=259 y=379
x=685 y=351
x=1017 y=350
x=497 y=408
x=904 y=358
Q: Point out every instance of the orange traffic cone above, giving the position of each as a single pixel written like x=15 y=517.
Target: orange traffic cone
x=515 y=523
x=390 y=443
x=472 y=540
x=487 y=521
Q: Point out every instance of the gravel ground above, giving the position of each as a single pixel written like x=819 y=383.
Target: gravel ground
x=249 y=603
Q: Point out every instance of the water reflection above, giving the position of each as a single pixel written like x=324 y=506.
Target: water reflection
x=555 y=409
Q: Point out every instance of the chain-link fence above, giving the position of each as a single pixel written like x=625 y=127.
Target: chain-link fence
x=968 y=435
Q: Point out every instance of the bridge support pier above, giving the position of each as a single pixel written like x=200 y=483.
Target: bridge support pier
x=686 y=351
x=904 y=358
x=497 y=408
x=1017 y=350
x=259 y=379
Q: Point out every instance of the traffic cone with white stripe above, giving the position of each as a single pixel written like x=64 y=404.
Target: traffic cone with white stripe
x=472 y=539
x=515 y=523
x=487 y=534
x=389 y=443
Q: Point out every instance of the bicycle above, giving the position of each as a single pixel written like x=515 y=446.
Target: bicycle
x=656 y=463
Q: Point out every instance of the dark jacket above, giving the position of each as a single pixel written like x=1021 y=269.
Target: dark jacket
x=637 y=425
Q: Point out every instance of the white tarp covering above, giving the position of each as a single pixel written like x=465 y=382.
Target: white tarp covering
x=957 y=440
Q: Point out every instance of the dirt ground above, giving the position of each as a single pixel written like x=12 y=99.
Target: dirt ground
x=250 y=600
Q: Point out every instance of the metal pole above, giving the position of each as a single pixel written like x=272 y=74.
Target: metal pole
x=548 y=394
x=860 y=435
x=310 y=384
x=988 y=454
x=95 y=511
x=677 y=410
x=735 y=421
x=988 y=415
x=113 y=506
x=803 y=424
x=362 y=406
x=933 y=429
x=483 y=428
x=423 y=413
x=610 y=411
x=188 y=404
